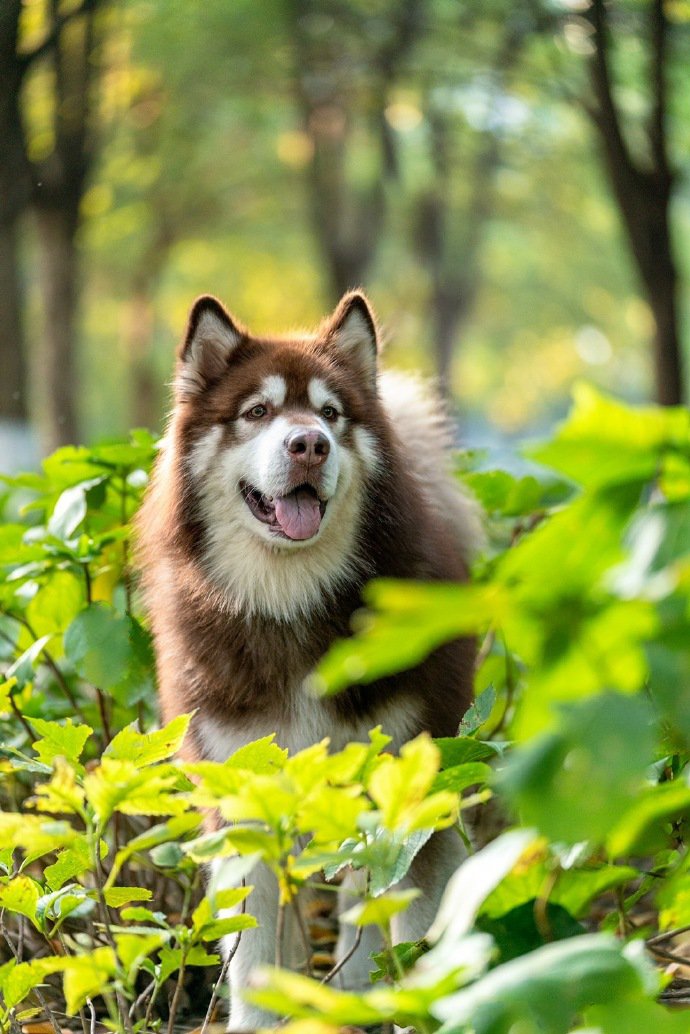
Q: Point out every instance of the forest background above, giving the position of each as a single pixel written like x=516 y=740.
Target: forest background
x=507 y=179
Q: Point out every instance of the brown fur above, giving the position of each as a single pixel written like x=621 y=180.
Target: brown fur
x=232 y=666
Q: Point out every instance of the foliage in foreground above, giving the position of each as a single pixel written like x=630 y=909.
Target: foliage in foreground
x=581 y=731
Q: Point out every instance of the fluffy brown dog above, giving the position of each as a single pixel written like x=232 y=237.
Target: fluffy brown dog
x=291 y=474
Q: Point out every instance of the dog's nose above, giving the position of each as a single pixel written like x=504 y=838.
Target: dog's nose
x=309 y=447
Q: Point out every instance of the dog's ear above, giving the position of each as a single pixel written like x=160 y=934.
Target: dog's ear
x=353 y=334
x=211 y=339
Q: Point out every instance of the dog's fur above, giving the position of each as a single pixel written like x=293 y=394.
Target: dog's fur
x=249 y=578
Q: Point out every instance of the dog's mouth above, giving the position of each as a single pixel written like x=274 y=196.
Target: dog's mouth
x=295 y=516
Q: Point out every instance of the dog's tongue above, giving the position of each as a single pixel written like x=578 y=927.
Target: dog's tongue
x=298 y=514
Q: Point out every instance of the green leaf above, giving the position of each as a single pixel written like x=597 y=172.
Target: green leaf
x=133 y=948
x=637 y=1014
x=69 y=512
x=406 y=622
x=516 y=932
x=640 y=828
x=605 y=442
x=70 y=900
x=473 y=882
x=118 y=785
x=171 y=960
x=379 y=911
x=72 y=861
x=157 y=835
x=295 y=995
x=460 y=777
x=406 y=954
x=148 y=748
x=262 y=756
x=545 y=989
x=112 y=652
x=116 y=897
x=574 y=888
x=24 y=668
x=64 y=740
x=575 y=783
x=87 y=975
x=477 y=714
x=20 y=894
x=36 y=835
x=56 y=603
x=400 y=787
x=18 y=979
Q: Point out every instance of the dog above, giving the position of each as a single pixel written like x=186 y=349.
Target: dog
x=292 y=472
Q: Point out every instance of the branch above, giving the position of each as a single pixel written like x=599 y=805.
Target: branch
x=604 y=113
x=657 y=124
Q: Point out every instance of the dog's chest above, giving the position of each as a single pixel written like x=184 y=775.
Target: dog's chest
x=306 y=720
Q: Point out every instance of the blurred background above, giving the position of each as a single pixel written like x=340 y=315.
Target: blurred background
x=505 y=179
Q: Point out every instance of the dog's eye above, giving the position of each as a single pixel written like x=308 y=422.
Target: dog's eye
x=256 y=412
x=329 y=412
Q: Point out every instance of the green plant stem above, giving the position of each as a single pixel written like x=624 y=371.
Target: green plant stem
x=103 y=711
x=49 y=659
x=105 y=917
x=174 y=1005
x=35 y=991
x=280 y=926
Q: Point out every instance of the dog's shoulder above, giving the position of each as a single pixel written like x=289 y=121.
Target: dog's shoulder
x=426 y=437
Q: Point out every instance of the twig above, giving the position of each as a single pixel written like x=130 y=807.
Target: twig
x=670 y=956
x=303 y=932
x=659 y=938
x=105 y=916
x=219 y=983
x=346 y=958
x=141 y=999
x=39 y=995
x=107 y=735
x=280 y=926
x=176 y=996
x=20 y=717
x=93 y=1015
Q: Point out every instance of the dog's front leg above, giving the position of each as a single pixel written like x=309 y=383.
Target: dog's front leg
x=429 y=872
x=256 y=947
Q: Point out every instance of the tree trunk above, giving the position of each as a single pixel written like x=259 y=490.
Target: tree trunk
x=56 y=372
x=13 y=395
x=643 y=190
x=15 y=190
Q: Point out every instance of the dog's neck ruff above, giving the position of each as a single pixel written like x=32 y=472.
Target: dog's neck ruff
x=264 y=579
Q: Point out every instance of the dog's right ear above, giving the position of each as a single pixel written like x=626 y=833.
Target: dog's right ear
x=209 y=342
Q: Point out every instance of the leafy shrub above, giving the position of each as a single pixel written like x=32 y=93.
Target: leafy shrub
x=580 y=731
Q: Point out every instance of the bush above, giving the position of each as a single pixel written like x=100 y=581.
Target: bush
x=580 y=731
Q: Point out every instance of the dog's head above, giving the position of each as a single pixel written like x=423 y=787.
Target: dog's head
x=279 y=436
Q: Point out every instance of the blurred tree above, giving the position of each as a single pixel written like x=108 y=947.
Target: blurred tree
x=348 y=56
x=71 y=67
x=15 y=191
x=642 y=177
x=454 y=210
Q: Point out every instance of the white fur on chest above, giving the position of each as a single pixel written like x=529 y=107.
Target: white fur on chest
x=309 y=721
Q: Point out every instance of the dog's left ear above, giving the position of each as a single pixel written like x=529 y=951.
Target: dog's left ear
x=353 y=334
x=209 y=343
